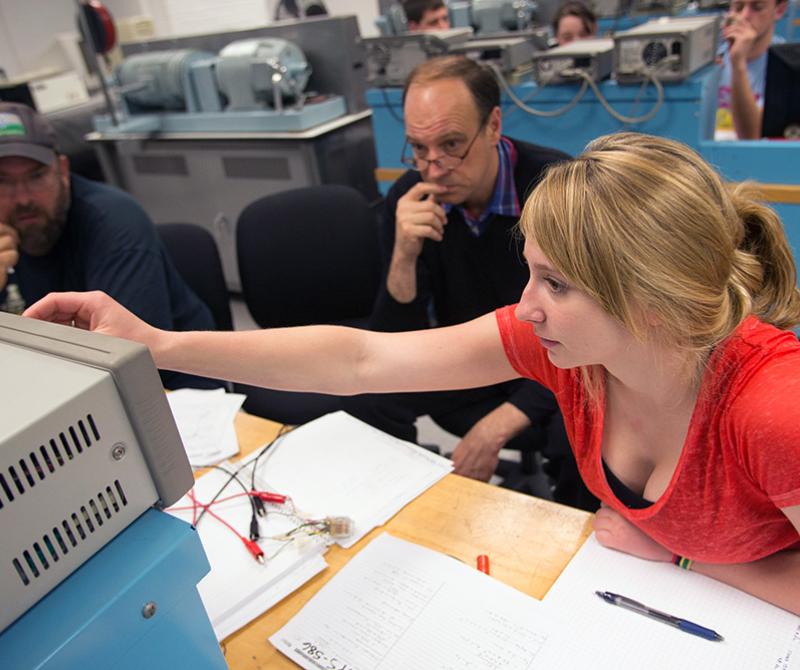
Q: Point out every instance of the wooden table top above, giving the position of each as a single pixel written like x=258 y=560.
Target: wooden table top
x=529 y=541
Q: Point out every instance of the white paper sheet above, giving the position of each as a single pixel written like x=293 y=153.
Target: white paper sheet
x=398 y=605
x=340 y=466
x=271 y=595
x=238 y=589
x=757 y=635
x=205 y=423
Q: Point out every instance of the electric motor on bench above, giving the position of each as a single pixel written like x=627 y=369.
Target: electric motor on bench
x=257 y=72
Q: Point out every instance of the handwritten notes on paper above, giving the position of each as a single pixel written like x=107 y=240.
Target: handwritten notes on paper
x=791 y=657
x=338 y=465
x=399 y=605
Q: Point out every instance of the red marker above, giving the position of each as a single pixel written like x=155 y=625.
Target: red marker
x=483 y=564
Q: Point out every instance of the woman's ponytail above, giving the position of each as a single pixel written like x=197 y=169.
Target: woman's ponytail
x=763 y=265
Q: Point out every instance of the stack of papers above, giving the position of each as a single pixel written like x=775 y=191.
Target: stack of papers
x=333 y=466
x=399 y=605
x=340 y=466
x=205 y=423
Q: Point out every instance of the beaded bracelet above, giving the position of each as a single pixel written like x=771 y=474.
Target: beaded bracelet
x=681 y=562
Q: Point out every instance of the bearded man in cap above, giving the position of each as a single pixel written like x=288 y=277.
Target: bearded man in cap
x=61 y=232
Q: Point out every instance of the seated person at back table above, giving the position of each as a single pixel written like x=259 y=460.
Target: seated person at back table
x=61 y=232
x=424 y=15
x=449 y=252
x=748 y=31
x=659 y=310
x=574 y=21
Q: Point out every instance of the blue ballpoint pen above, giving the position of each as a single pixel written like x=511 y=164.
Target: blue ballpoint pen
x=675 y=621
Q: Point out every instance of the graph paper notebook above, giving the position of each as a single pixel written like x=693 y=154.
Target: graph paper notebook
x=757 y=634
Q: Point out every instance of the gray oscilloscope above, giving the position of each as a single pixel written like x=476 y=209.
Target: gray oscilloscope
x=87 y=444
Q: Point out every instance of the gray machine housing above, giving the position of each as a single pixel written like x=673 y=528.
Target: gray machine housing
x=691 y=40
x=317 y=38
x=594 y=56
x=511 y=54
x=604 y=9
x=492 y=18
x=656 y=7
x=220 y=173
x=87 y=444
x=253 y=85
x=391 y=58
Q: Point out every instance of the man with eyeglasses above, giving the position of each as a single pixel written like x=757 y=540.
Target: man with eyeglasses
x=748 y=31
x=450 y=254
x=61 y=232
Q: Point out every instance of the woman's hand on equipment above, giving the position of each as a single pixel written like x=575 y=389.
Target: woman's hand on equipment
x=94 y=311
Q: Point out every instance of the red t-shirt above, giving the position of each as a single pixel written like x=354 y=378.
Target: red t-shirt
x=741 y=460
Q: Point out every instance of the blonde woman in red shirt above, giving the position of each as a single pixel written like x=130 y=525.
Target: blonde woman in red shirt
x=658 y=310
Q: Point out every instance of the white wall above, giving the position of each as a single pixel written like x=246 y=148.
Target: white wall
x=185 y=17
x=28 y=28
x=180 y=17
x=9 y=61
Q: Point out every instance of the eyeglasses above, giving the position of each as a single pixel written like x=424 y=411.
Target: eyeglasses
x=453 y=156
x=38 y=182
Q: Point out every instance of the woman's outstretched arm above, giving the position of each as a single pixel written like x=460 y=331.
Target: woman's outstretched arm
x=329 y=359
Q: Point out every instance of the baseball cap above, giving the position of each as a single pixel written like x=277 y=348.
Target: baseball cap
x=24 y=132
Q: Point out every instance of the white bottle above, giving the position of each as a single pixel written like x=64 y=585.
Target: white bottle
x=15 y=303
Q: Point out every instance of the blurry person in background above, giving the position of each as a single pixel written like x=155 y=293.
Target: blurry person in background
x=426 y=15
x=574 y=21
x=747 y=32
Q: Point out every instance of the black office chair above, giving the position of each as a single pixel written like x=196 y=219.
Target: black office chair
x=306 y=256
x=194 y=253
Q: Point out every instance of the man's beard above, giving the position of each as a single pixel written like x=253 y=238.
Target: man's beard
x=40 y=239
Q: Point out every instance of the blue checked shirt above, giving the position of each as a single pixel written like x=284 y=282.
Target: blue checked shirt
x=504 y=200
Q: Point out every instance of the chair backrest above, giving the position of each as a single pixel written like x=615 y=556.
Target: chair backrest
x=194 y=253
x=309 y=255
